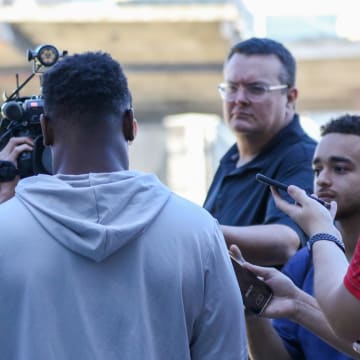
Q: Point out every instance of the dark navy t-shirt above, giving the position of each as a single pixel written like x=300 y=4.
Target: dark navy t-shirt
x=236 y=198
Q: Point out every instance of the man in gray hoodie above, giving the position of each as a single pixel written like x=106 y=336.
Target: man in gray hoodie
x=99 y=262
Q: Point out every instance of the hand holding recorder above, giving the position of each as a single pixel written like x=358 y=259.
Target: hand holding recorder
x=312 y=217
x=279 y=185
x=280 y=292
x=255 y=292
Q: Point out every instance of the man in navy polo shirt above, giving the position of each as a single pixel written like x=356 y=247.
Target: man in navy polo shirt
x=259 y=97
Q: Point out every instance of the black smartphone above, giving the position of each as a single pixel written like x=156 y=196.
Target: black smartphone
x=255 y=292
x=272 y=182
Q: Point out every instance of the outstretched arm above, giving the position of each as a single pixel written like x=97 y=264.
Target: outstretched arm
x=340 y=307
x=290 y=302
x=271 y=244
x=263 y=340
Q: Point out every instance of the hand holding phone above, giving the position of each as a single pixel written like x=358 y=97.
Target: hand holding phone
x=271 y=182
x=255 y=292
x=279 y=185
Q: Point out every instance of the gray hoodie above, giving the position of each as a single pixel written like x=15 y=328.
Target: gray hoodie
x=114 y=266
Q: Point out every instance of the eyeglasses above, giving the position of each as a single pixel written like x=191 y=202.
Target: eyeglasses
x=252 y=92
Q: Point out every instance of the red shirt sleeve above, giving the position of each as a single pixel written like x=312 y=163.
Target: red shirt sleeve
x=352 y=277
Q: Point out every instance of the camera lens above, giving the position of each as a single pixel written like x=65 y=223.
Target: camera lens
x=12 y=110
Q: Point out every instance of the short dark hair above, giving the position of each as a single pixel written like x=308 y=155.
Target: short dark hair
x=89 y=84
x=265 y=46
x=345 y=124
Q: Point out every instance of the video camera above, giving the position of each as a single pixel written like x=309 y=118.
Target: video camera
x=20 y=116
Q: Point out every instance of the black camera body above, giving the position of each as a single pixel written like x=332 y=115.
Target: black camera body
x=20 y=116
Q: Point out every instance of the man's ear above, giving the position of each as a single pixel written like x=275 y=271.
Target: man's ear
x=129 y=125
x=47 y=130
x=292 y=95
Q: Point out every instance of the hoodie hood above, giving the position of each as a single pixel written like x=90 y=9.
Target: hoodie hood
x=94 y=214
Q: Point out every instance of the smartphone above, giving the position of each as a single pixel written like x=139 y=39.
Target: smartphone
x=255 y=292
x=271 y=182
x=279 y=185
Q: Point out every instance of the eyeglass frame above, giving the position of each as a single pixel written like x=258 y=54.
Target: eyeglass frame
x=267 y=88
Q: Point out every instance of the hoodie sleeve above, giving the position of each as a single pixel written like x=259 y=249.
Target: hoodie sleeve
x=220 y=331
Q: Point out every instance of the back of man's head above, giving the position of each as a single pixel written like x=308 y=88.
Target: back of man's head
x=265 y=46
x=345 y=124
x=85 y=87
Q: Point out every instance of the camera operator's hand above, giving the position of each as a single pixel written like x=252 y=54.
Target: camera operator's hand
x=11 y=152
x=15 y=147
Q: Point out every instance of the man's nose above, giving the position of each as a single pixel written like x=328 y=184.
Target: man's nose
x=323 y=178
x=241 y=95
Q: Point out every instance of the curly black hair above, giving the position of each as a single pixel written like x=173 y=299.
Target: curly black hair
x=85 y=86
x=345 y=124
x=265 y=46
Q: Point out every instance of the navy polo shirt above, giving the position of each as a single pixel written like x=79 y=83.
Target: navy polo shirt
x=236 y=198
